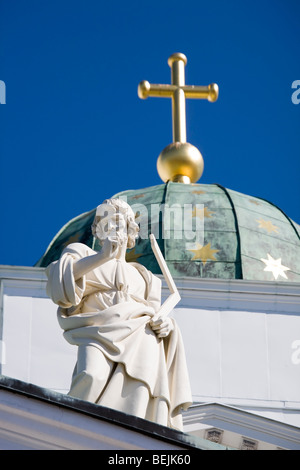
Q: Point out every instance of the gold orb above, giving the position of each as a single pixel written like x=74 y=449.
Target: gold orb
x=181 y=162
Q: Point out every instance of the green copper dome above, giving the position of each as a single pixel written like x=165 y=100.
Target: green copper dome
x=204 y=231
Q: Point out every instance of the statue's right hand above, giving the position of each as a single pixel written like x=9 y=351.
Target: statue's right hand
x=109 y=248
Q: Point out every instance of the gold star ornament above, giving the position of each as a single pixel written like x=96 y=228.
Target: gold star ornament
x=267 y=225
x=204 y=253
x=254 y=202
x=198 y=192
x=132 y=256
x=73 y=239
x=201 y=213
x=275 y=267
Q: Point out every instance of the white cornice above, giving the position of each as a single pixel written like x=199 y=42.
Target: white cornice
x=238 y=294
x=243 y=422
x=23 y=280
x=227 y=294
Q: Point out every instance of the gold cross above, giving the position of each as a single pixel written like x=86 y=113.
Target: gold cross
x=178 y=91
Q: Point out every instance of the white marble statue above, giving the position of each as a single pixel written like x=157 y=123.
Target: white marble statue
x=130 y=353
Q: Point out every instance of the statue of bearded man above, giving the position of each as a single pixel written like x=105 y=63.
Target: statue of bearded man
x=130 y=353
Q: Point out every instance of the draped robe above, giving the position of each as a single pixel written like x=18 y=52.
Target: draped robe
x=110 y=308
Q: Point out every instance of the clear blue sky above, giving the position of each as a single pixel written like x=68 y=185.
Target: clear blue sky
x=74 y=132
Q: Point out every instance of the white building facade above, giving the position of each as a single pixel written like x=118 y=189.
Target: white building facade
x=242 y=342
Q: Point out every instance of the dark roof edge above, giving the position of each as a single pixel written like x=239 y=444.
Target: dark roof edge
x=99 y=412
x=236 y=223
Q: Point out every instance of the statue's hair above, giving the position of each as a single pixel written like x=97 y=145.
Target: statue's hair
x=123 y=208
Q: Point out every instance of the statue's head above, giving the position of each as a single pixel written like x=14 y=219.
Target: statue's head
x=115 y=218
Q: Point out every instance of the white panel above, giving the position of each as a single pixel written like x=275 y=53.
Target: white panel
x=36 y=351
x=201 y=336
x=244 y=355
x=52 y=358
x=17 y=336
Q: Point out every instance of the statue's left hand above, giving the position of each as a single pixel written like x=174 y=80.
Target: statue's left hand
x=162 y=327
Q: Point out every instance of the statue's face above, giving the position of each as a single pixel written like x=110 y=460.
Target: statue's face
x=110 y=222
